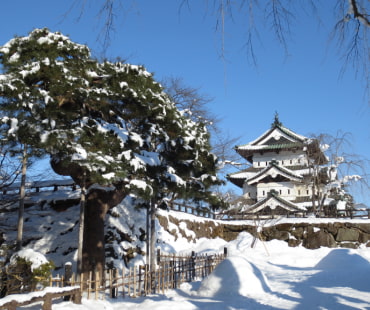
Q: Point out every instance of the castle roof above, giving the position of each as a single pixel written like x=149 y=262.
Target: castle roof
x=253 y=175
x=276 y=138
x=272 y=201
x=273 y=170
x=279 y=138
x=238 y=178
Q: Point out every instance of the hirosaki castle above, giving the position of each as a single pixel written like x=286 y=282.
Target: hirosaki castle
x=279 y=179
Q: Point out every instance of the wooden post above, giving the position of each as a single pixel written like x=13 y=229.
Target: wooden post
x=162 y=277
x=135 y=282
x=67 y=273
x=225 y=252
x=146 y=279
x=113 y=281
x=47 y=302
x=89 y=285
x=110 y=275
x=192 y=266
x=67 y=278
x=123 y=283
x=129 y=283
x=172 y=274
x=140 y=280
x=80 y=279
x=158 y=256
x=97 y=285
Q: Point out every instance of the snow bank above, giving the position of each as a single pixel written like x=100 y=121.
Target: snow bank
x=233 y=277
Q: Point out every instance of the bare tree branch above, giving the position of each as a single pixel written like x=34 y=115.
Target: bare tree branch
x=352 y=168
x=359 y=12
x=351 y=28
x=197 y=106
x=281 y=19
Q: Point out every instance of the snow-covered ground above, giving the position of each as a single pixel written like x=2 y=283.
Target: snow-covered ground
x=269 y=276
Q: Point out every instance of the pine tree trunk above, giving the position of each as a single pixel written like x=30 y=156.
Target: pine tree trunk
x=98 y=202
x=22 y=194
x=93 y=255
x=152 y=242
x=152 y=265
x=81 y=227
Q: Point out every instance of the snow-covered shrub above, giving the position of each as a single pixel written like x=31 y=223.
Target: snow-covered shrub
x=27 y=270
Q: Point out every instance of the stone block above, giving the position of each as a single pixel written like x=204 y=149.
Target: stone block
x=347 y=234
x=318 y=239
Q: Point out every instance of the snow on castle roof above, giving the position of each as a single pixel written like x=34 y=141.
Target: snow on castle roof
x=273 y=169
x=272 y=200
x=277 y=138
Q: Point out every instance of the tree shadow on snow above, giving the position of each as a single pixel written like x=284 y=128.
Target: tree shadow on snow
x=341 y=283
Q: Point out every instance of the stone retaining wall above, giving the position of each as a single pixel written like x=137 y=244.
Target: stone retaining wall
x=349 y=234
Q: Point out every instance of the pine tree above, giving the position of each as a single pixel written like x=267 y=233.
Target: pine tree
x=109 y=126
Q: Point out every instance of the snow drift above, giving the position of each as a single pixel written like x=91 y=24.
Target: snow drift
x=233 y=277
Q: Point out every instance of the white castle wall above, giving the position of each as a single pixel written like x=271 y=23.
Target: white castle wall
x=285 y=159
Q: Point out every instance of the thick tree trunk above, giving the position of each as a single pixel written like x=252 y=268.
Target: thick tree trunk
x=98 y=202
x=93 y=256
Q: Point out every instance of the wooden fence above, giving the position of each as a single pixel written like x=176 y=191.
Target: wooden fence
x=354 y=213
x=36 y=186
x=54 y=185
x=171 y=272
x=198 y=211
x=12 y=302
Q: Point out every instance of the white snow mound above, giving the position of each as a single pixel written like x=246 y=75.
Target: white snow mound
x=37 y=259
x=234 y=276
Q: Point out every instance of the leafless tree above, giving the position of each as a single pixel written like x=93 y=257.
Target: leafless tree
x=350 y=31
x=190 y=100
x=198 y=107
x=9 y=166
x=341 y=169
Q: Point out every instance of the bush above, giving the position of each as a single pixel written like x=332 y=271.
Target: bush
x=28 y=271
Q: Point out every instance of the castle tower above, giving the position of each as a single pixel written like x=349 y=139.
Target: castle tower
x=279 y=179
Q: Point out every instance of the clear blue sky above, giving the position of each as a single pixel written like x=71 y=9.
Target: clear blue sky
x=305 y=87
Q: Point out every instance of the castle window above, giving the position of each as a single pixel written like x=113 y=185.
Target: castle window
x=299 y=192
x=288 y=191
x=308 y=192
x=291 y=161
